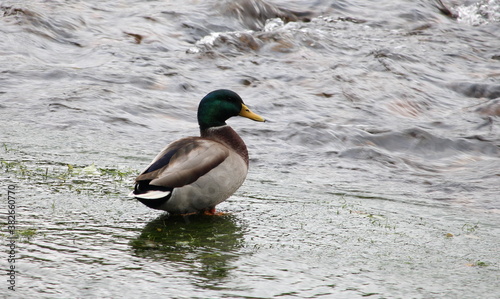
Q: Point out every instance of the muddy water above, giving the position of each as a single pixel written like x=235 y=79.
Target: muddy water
x=376 y=176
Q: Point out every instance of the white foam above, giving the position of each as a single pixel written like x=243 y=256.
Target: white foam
x=480 y=13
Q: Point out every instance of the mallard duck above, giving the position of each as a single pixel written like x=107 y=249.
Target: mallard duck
x=194 y=174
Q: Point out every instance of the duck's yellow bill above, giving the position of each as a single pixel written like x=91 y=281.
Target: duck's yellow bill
x=245 y=112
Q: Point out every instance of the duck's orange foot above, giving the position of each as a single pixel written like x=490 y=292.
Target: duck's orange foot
x=213 y=212
x=188 y=214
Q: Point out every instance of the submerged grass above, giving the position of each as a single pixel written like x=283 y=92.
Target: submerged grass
x=22 y=234
x=59 y=177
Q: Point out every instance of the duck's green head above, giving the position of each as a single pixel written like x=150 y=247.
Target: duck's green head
x=219 y=105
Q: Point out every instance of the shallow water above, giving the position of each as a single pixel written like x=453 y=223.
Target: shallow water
x=376 y=176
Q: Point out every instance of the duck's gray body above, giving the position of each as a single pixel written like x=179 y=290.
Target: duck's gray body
x=201 y=171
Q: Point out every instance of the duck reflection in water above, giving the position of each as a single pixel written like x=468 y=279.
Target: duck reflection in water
x=202 y=245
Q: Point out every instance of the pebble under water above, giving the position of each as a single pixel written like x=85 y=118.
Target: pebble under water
x=377 y=174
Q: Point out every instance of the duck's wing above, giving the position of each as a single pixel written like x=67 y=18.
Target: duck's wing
x=183 y=162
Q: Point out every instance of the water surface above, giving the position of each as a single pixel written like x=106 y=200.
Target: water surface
x=376 y=176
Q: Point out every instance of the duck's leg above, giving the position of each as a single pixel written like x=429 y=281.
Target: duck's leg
x=213 y=212
x=188 y=214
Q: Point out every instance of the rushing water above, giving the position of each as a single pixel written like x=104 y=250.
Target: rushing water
x=378 y=174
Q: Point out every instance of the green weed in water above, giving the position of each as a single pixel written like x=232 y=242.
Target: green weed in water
x=61 y=176
x=26 y=233
x=470 y=228
x=477 y=264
